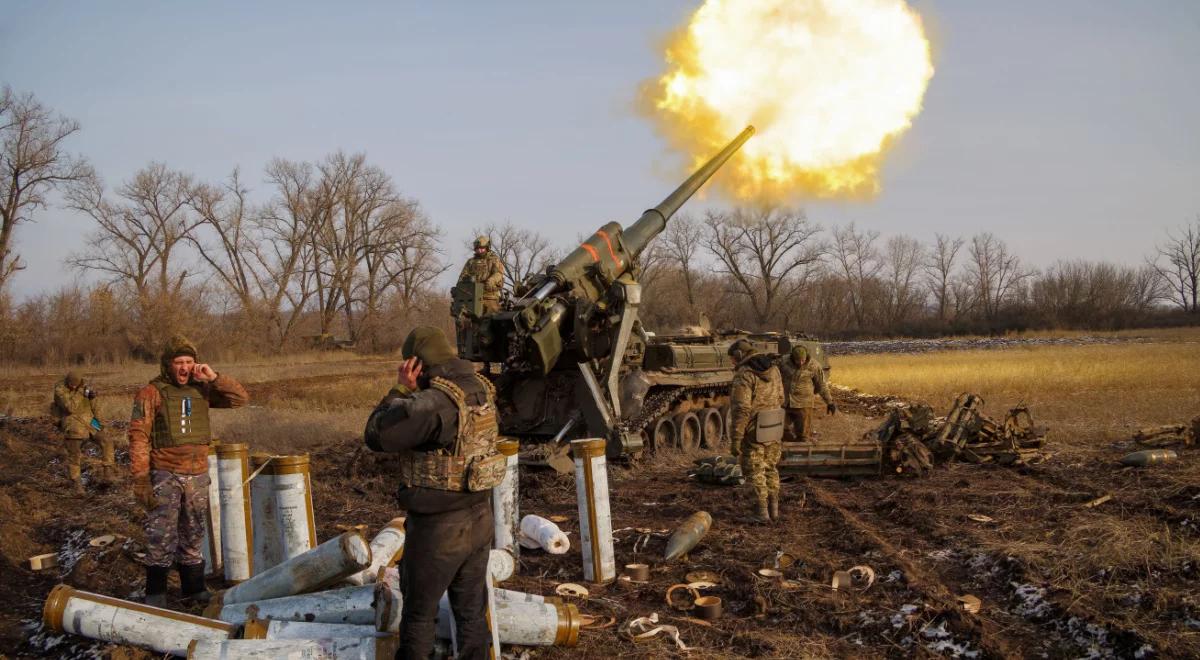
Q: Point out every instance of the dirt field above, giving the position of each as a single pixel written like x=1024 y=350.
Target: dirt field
x=1056 y=578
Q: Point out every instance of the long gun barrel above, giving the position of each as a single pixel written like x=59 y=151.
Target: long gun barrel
x=612 y=249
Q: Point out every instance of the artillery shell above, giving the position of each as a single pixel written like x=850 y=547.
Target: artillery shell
x=1149 y=457
x=688 y=534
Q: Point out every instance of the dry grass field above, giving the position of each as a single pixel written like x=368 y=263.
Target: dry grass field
x=1056 y=578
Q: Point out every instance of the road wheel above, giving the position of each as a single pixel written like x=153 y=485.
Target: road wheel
x=687 y=431
x=662 y=434
x=712 y=428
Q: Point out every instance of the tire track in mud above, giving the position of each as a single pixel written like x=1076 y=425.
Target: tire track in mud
x=984 y=633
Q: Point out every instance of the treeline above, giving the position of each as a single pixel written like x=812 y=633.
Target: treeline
x=331 y=249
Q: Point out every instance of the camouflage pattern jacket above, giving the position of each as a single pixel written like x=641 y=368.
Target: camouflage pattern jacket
x=75 y=410
x=487 y=269
x=801 y=383
x=224 y=392
x=757 y=386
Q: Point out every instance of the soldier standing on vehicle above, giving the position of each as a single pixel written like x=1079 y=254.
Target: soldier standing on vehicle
x=169 y=434
x=441 y=419
x=77 y=408
x=756 y=413
x=487 y=268
x=802 y=378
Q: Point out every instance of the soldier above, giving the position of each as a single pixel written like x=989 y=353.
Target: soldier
x=169 y=434
x=802 y=377
x=441 y=419
x=487 y=268
x=756 y=400
x=79 y=418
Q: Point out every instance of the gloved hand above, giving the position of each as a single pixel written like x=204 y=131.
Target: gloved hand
x=831 y=408
x=143 y=492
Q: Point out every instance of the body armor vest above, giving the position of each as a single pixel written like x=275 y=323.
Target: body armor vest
x=182 y=417
x=473 y=464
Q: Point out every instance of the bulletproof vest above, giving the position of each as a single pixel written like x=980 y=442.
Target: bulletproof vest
x=473 y=464
x=182 y=417
x=478 y=269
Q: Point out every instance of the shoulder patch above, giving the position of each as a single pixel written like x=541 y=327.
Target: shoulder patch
x=138 y=411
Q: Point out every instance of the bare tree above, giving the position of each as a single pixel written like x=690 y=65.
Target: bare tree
x=995 y=274
x=32 y=162
x=1177 y=262
x=859 y=263
x=136 y=241
x=524 y=252
x=939 y=272
x=680 y=243
x=231 y=249
x=767 y=252
x=903 y=258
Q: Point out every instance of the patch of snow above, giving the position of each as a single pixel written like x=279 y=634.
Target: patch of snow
x=894 y=576
x=941 y=641
x=945 y=554
x=900 y=619
x=1033 y=603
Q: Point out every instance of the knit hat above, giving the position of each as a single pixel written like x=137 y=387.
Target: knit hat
x=429 y=345
x=176 y=346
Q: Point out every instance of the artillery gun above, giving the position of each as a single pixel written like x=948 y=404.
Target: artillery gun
x=576 y=362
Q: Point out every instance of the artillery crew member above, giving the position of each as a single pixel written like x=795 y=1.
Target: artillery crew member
x=169 y=434
x=76 y=406
x=487 y=268
x=441 y=419
x=756 y=427
x=802 y=378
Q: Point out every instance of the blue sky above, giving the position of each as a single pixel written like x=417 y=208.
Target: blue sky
x=1068 y=128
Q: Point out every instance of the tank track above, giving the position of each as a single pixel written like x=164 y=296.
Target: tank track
x=660 y=402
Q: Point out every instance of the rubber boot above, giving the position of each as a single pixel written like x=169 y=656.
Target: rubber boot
x=191 y=582
x=156 y=585
x=76 y=475
x=773 y=505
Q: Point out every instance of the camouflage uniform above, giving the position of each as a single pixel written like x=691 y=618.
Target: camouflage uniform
x=169 y=435
x=76 y=405
x=757 y=387
x=175 y=528
x=489 y=270
x=803 y=377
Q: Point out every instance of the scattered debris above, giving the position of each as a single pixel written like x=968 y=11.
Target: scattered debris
x=858 y=577
x=708 y=608
x=718 y=470
x=1097 y=502
x=43 y=562
x=689 y=533
x=638 y=572
x=970 y=603
x=646 y=627
x=980 y=518
x=681 y=605
x=538 y=532
x=572 y=590
x=102 y=541
x=1148 y=457
x=1170 y=435
x=775 y=575
x=703 y=576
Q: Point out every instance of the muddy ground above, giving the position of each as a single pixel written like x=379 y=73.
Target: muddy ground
x=1056 y=578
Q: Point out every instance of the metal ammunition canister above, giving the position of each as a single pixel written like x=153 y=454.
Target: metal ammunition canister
x=505 y=501
x=293 y=504
x=353 y=605
x=68 y=610
x=264 y=517
x=326 y=564
x=526 y=623
x=310 y=630
x=595 y=518
x=211 y=548
x=237 y=534
x=341 y=648
x=386 y=549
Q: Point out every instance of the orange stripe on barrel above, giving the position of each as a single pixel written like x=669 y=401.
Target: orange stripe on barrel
x=592 y=251
x=603 y=234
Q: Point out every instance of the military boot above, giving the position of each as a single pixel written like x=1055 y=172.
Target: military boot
x=773 y=505
x=156 y=585
x=76 y=475
x=191 y=582
x=762 y=513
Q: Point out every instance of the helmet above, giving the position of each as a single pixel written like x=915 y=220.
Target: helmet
x=741 y=348
x=482 y=242
x=799 y=355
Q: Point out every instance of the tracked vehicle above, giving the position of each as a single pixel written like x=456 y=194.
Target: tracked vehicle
x=576 y=362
